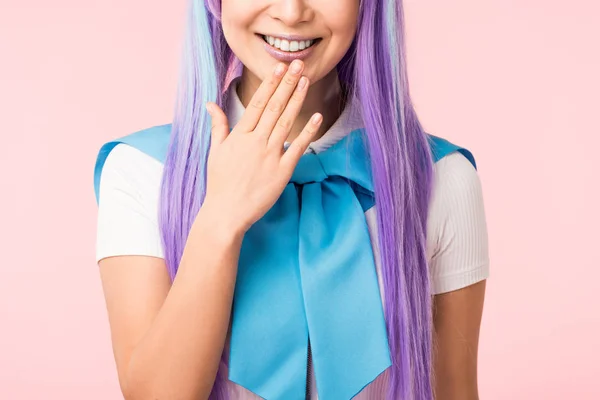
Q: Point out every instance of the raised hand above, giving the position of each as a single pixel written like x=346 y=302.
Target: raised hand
x=248 y=169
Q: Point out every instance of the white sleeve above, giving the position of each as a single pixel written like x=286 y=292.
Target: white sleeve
x=128 y=205
x=457 y=222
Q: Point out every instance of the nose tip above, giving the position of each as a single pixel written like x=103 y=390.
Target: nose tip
x=293 y=12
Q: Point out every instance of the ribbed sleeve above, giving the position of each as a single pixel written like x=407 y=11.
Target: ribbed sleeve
x=457 y=226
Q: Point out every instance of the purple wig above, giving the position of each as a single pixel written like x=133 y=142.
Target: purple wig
x=374 y=70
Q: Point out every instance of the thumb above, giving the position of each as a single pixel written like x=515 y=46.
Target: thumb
x=219 y=124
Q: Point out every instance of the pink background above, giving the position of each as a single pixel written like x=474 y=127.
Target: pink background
x=514 y=81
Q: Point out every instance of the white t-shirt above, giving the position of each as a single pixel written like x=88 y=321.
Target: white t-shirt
x=457 y=241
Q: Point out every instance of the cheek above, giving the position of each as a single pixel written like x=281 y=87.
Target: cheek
x=342 y=18
x=340 y=12
x=235 y=18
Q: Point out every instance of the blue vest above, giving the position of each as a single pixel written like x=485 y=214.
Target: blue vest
x=155 y=142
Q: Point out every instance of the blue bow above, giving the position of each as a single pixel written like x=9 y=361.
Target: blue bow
x=307 y=271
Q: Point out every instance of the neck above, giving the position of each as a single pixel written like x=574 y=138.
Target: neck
x=324 y=96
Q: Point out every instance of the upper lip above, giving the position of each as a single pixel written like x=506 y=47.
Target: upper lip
x=289 y=37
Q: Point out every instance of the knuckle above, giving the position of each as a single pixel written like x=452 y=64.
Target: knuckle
x=275 y=106
x=284 y=123
x=295 y=148
x=258 y=103
x=297 y=96
x=290 y=81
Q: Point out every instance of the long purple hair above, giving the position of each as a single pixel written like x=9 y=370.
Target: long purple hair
x=374 y=70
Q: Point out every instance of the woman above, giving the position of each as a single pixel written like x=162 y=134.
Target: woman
x=295 y=231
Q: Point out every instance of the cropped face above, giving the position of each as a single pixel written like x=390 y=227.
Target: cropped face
x=263 y=32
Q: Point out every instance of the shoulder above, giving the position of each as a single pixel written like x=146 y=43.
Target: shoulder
x=128 y=207
x=441 y=147
x=152 y=142
x=129 y=164
x=131 y=177
x=454 y=173
x=457 y=226
x=456 y=196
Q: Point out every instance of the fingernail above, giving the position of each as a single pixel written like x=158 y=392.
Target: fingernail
x=295 y=67
x=209 y=108
x=302 y=83
x=279 y=69
x=316 y=119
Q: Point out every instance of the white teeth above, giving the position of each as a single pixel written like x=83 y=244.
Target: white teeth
x=288 y=45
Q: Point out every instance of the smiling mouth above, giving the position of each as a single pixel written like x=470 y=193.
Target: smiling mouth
x=290 y=46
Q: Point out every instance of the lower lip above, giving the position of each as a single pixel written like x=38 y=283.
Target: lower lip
x=287 y=56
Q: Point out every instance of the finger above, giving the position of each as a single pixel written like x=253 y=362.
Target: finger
x=219 y=125
x=292 y=155
x=261 y=97
x=287 y=119
x=279 y=100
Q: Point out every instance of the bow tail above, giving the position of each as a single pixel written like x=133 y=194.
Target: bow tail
x=269 y=336
x=342 y=300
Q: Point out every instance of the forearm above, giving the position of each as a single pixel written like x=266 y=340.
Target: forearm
x=454 y=386
x=179 y=356
x=457 y=319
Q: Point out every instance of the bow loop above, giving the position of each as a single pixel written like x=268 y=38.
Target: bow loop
x=309 y=170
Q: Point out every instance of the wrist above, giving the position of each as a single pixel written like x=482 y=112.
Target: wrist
x=218 y=224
